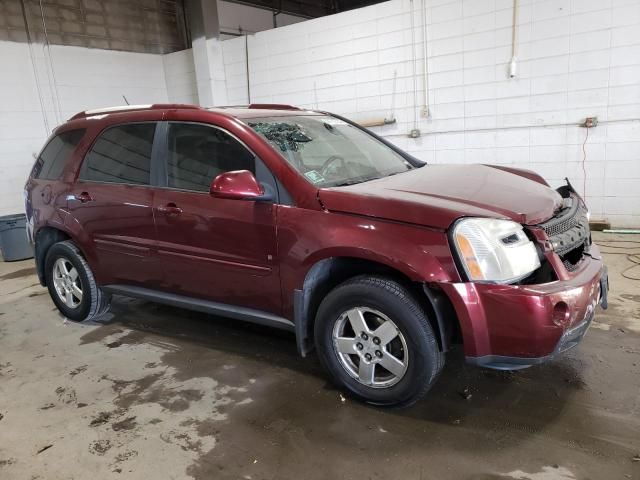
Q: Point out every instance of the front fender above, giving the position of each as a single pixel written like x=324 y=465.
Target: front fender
x=408 y=269
x=307 y=237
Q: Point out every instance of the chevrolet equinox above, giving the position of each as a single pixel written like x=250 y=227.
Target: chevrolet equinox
x=305 y=221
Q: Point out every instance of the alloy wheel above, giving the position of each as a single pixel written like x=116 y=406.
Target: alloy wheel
x=67 y=283
x=370 y=347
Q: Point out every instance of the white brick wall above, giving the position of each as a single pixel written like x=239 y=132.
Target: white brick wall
x=85 y=78
x=577 y=58
x=21 y=125
x=180 y=77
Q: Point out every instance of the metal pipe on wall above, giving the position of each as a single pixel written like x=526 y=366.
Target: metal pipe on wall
x=35 y=67
x=425 y=64
x=51 y=72
x=513 y=64
x=275 y=15
x=377 y=122
x=246 y=54
x=415 y=131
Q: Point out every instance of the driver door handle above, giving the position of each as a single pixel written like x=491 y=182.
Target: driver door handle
x=170 y=209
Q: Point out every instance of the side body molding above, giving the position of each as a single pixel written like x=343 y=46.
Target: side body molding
x=200 y=305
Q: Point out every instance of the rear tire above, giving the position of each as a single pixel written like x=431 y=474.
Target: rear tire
x=72 y=285
x=368 y=324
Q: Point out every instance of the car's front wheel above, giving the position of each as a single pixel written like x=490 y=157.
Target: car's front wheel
x=376 y=341
x=72 y=285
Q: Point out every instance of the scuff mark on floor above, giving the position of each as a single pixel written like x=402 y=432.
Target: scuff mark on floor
x=547 y=473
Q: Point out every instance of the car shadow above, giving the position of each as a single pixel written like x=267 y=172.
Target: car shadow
x=185 y=327
x=504 y=405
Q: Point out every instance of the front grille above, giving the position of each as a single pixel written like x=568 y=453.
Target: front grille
x=570 y=266
x=562 y=224
x=569 y=233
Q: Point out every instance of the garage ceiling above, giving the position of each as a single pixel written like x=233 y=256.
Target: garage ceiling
x=308 y=8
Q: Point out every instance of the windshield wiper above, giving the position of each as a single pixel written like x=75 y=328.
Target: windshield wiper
x=351 y=182
x=362 y=180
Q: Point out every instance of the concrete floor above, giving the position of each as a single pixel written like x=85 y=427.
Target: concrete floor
x=157 y=392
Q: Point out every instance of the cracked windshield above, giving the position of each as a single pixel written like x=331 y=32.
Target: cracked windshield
x=329 y=152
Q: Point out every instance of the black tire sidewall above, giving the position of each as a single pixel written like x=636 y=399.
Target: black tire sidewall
x=61 y=250
x=417 y=333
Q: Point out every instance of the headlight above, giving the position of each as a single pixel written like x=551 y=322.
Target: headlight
x=494 y=250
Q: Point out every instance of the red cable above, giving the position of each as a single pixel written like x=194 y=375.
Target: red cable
x=584 y=170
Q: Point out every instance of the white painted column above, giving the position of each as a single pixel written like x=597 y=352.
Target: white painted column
x=207 y=52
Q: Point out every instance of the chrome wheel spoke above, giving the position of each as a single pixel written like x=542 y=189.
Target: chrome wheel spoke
x=345 y=345
x=73 y=273
x=386 y=332
x=366 y=372
x=393 y=364
x=356 y=319
x=59 y=268
x=62 y=266
x=68 y=298
x=76 y=292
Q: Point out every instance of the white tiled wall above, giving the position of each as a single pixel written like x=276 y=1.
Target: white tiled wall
x=85 y=78
x=577 y=58
x=180 y=76
x=91 y=78
x=21 y=125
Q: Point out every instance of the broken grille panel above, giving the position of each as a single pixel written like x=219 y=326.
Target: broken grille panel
x=569 y=233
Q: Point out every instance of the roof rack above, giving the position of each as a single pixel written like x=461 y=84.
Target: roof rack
x=132 y=108
x=272 y=106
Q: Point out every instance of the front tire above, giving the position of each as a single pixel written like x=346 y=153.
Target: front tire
x=376 y=342
x=72 y=285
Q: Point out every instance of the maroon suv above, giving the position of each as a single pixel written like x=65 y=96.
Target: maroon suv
x=305 y=221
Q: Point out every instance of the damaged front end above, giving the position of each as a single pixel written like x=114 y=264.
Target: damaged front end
x=516 y=325
x=565 y=238
x=569 y=234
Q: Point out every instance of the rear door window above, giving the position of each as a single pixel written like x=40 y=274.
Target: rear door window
x=55 y=155
x=121 y=154
x=199 y=153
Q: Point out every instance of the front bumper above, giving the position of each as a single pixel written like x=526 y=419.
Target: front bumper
x=511 y=327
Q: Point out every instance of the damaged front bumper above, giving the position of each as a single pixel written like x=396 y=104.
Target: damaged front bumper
x=510 y=327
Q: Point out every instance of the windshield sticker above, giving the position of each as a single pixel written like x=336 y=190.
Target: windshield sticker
x=314 y=176
x=286 y=136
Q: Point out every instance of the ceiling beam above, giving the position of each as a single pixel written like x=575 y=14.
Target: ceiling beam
x=299 y=8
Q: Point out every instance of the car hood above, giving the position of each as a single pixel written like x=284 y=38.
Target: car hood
x=437 y=195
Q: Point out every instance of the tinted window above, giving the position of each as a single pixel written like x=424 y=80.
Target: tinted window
x=199 y=153
x=121 y=154
x=54 y=156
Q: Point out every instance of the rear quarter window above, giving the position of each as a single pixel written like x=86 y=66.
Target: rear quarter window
x=121 y=154
x=55 y=154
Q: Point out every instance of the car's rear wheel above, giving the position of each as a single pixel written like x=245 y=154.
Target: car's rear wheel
x=72 y=285
x=376 y=341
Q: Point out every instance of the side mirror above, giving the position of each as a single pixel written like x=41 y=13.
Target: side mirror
x=238 y=185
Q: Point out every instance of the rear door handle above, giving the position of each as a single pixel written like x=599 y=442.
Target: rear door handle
x=84 y=197
x=170 y=209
